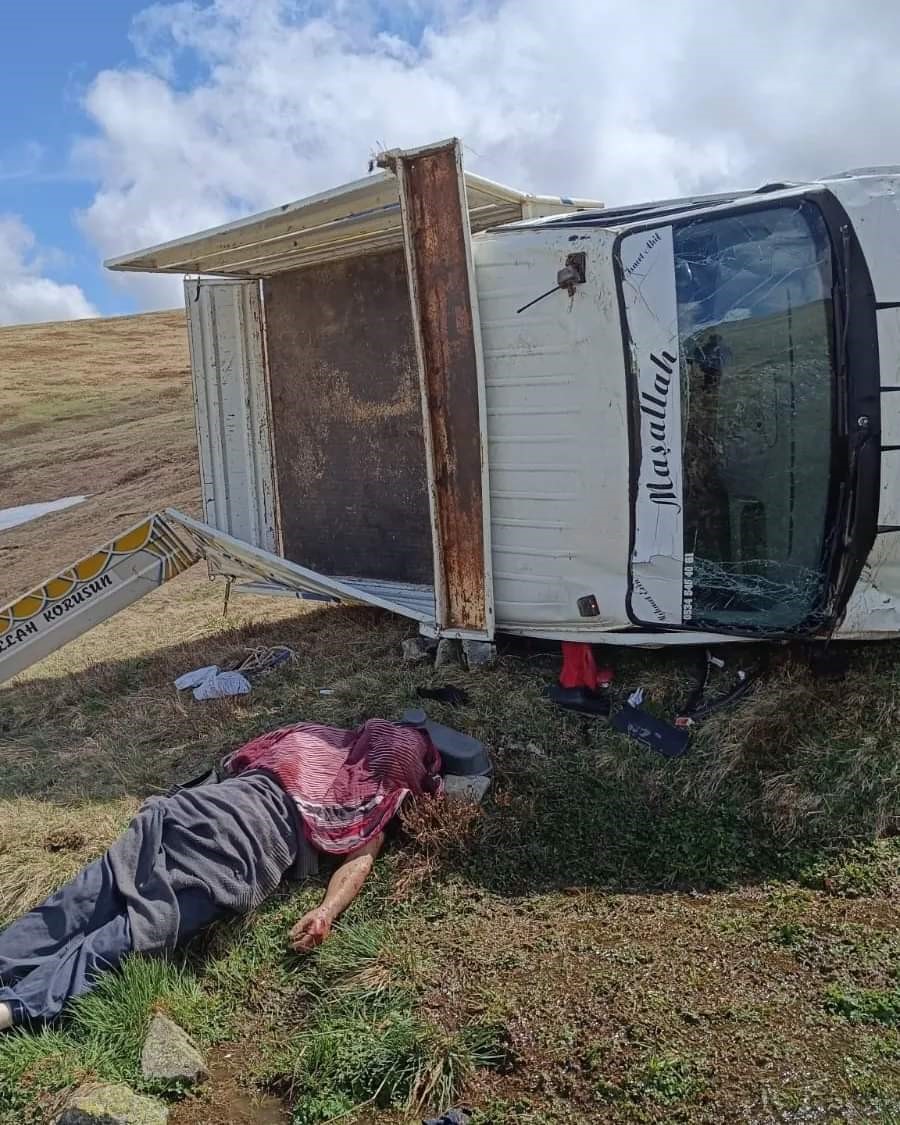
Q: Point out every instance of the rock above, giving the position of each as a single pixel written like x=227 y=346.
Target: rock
x=479 y=654
x=460 y=788
x=97 y=1104
x=414 y=650
x=169 y=1055
x=447 y=652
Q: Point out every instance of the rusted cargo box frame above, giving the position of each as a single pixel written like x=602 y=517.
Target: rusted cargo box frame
x=447 y=334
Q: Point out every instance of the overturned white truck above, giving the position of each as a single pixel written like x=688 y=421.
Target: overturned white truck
x=677 y=422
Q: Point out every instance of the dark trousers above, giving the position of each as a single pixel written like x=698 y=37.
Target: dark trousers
x=56 y=951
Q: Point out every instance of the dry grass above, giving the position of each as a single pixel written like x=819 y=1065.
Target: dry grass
x=91 y=407
x=441 y=834
x=42 y=846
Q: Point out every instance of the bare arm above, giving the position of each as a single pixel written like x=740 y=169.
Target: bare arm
x=343 y=887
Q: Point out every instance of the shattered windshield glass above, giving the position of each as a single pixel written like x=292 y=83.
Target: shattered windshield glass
x=756 y=367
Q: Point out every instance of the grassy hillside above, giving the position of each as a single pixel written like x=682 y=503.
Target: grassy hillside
x=98 y=407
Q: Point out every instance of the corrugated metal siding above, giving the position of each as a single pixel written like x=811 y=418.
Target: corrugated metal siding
x=232 y=411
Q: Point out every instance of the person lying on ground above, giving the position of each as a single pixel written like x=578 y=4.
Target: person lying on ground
x=216 y=850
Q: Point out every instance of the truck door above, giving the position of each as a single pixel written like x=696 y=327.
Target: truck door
x=232 y=410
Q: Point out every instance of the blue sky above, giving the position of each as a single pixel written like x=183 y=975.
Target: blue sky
x=54 y=50
x=129 y=123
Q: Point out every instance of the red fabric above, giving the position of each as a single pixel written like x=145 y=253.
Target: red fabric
x=347 y=784
x=580 y=669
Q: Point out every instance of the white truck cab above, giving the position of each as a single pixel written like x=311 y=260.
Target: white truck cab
x=703 y=430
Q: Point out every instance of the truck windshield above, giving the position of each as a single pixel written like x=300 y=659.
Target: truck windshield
x=755 y=357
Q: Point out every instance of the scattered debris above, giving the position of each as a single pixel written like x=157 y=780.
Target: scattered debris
x=222 y=685
x=213 y=682
x=260 y=662
x=455 y=696
x=195 y=678
x=460 y=753
x=652 y=733
x=210 y=683
x=98 y=1104
x=699 y=707
x=169 y=1055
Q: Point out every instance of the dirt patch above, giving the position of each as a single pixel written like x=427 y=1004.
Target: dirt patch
x=224 y=1099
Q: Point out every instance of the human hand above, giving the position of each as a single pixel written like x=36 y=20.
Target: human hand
x=312 y=929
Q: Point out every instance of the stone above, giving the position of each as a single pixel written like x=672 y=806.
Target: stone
x=169 y=1055
x=99 y=1104
x=414 y=650
x=447 y=652
x=479 y=654
x=461 y=788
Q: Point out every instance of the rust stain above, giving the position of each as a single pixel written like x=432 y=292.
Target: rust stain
x=448 y=345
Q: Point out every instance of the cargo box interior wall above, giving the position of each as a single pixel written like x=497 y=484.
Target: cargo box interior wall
x=347 y=419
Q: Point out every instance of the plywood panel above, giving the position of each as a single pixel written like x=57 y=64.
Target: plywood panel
x=347 y=419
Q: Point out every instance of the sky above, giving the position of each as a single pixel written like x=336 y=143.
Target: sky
x=129 y=123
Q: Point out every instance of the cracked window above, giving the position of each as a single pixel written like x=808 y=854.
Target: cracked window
x=755 y=358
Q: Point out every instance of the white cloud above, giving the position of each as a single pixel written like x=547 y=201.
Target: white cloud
x=26 y=295
x=240 y=106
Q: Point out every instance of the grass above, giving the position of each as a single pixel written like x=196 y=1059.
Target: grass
x=613 y=937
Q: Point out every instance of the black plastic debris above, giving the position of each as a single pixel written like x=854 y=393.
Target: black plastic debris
x=461 y=754
x=652 y=733
x=700 y=706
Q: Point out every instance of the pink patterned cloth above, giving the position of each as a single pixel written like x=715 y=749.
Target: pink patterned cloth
x=347 y=784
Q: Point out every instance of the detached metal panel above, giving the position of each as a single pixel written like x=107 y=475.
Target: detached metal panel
x=232 y=410
x=451 y=372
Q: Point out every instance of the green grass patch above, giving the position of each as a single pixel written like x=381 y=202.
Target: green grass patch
x=104 y=1034
x=660 y=1080
x=865 y=1005
x=363 y=1039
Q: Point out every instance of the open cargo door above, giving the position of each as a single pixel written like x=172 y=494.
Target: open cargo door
x=447 y=334
x=232 y=409
x=261 y=572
